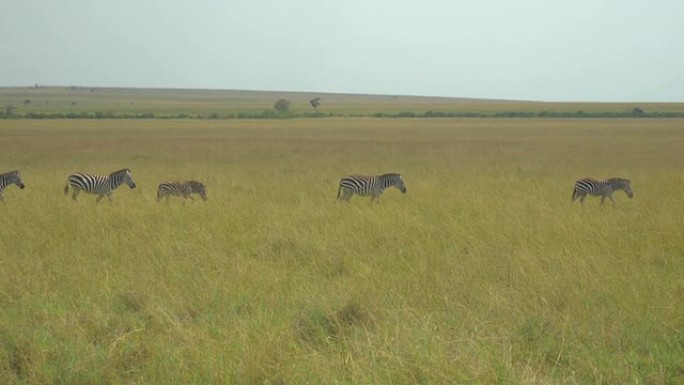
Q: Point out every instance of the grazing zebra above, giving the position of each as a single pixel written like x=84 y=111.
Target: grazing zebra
x=184 y=189
x=98 y=184
x=7 y=179
x=603 y=188
x=368 y=185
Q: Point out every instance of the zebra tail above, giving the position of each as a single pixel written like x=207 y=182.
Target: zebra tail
x=574 y=193
x=339 y=189
x=66 y=188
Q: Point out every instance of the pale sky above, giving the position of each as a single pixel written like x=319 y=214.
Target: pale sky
x=547 y=50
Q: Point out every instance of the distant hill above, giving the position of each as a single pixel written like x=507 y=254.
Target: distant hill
x=76 y=101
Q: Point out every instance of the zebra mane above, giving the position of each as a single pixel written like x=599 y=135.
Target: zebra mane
x=123 y=170
x=195 y=184
x=390 y=175
x=619 y=180
x=15 y=172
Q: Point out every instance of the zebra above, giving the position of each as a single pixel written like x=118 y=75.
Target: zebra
x=368 y=185
x=98 y=184
x=603 y=188
x=183 y=189
x=7 y=179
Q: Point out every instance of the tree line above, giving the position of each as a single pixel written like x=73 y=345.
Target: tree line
x=281 y=110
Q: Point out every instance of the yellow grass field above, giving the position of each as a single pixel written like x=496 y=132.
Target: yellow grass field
x=483 y=272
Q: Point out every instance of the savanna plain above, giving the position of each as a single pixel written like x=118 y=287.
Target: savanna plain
x=483 y=272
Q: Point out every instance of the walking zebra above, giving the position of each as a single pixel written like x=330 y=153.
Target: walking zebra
x=184 y=189
x=368 y=185
x=7 y=179
x=603 y=188
x=98 y=184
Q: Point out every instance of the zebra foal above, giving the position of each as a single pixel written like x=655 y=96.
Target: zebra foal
x=102 y=185
x=184 y=189
x=602 y=188
x=368 y=185
x=7 y=179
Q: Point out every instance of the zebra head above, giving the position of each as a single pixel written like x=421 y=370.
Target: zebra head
x=198 y=188
x=17 y=180
x=126 y=177
x=397 y=182
x=628 y=188
x=621 y=184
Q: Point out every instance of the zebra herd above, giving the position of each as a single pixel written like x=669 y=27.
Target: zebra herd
x=104 y=185
x=375 y=185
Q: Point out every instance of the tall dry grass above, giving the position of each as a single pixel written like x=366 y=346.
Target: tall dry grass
x=482 y=273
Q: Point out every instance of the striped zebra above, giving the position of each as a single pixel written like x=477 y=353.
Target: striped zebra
x=184 y=189
x=368 y=185
x=602 y=188
x=7 y=179
x=98 y=184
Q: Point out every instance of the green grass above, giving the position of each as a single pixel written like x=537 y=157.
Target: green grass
x=483 y=272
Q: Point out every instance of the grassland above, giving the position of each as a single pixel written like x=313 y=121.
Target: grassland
x=193 y=103
x=482 y=273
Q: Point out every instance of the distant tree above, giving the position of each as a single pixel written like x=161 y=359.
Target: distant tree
x=282 y=105
x=9 y=109
x=637 y=112
x=315 y=103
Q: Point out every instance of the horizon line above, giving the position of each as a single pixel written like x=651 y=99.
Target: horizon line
x=463 y=98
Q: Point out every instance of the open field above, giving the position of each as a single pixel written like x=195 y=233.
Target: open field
x=163 y=102
x=483 y=272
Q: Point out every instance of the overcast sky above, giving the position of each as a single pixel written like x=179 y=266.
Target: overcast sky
x=550 y=50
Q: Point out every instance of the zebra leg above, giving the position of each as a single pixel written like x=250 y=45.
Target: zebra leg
x=2 y=198
x=99 y=197
x=346 y=195
x=611 y=198
x=75 y=194
x=582 y=199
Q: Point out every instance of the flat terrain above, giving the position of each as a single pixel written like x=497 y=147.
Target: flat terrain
x=226 y=102
x=483 y=272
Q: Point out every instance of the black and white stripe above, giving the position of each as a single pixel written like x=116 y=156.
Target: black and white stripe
x=98 y=184
x=7 y=179
x=184 y=189
x=602 y=188
x=368 y=185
